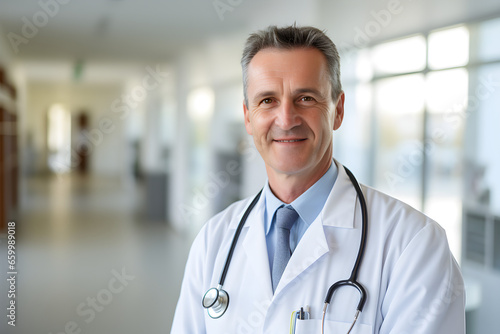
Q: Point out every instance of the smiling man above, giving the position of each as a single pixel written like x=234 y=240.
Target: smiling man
x=265 y=264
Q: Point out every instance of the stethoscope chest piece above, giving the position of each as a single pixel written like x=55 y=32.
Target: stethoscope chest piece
x=216 y=301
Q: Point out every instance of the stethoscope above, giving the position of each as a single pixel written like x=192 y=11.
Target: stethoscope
x=216 y=300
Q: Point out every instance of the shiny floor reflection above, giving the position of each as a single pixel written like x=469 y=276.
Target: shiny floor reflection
x=88 y=263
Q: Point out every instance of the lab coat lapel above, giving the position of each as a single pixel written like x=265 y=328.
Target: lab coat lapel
x=339 y=211
x=310 y=249
x=256 y=250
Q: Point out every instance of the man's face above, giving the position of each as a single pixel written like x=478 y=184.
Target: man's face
x=290 y=112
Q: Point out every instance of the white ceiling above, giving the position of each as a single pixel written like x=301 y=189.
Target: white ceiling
x=125 y=29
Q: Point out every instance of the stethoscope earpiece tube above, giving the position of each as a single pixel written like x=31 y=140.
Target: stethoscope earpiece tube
x=364 y=227
x=236 y=236
x=352 y=281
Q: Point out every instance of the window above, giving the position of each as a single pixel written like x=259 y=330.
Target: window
x=401 y=56
x=449 y=48
x=488 y=47
x=399 y=103
x=59 y=138
x=420 y=94
x=446 y=101
x=484 y=111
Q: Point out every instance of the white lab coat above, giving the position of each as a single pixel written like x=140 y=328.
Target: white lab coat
x=412 y=281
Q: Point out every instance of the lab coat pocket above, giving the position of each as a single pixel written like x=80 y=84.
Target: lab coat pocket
x=313 y=326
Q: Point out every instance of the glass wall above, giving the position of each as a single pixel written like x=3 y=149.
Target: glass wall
x=426 y=111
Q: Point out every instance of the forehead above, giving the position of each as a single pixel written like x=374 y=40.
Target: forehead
x=299 y=66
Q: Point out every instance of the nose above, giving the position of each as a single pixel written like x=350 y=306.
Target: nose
x=287 y=116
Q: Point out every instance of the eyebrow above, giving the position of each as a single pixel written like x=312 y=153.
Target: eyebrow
x=263 y=94
x=307 y=90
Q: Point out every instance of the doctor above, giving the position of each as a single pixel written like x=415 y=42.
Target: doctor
x=293 y=103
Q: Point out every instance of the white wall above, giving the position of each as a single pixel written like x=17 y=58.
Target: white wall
x=5 y=54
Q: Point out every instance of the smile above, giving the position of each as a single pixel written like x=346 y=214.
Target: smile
x=289 y=141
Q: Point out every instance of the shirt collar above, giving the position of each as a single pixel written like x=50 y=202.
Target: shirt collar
x=308 y=205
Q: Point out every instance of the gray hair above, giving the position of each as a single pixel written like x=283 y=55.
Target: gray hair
x=289 y=38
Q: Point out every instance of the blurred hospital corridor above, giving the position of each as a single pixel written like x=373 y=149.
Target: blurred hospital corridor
x=76 y=234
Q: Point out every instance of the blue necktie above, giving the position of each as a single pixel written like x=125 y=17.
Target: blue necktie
x=285 y=218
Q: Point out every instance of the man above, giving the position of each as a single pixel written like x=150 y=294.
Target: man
x=293 y=103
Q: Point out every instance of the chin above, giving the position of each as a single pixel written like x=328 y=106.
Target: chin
x=291 y=166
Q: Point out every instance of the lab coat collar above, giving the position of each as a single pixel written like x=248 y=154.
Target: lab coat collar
x=308 y=205
x=341 y=203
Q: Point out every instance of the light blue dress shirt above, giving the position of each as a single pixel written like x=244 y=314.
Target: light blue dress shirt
x=308 y=206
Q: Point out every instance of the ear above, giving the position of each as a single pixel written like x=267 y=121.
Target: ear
x=246 y=114
x=339 y=111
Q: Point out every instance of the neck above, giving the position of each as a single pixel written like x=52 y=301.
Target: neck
x=288 y=187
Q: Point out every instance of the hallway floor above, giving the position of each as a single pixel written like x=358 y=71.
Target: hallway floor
x=88 y=263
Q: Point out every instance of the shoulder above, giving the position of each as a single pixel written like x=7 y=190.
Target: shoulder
x=399 y=222
x=394 y=210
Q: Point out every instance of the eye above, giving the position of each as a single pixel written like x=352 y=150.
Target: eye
x=267 y=101
x=307 y=99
